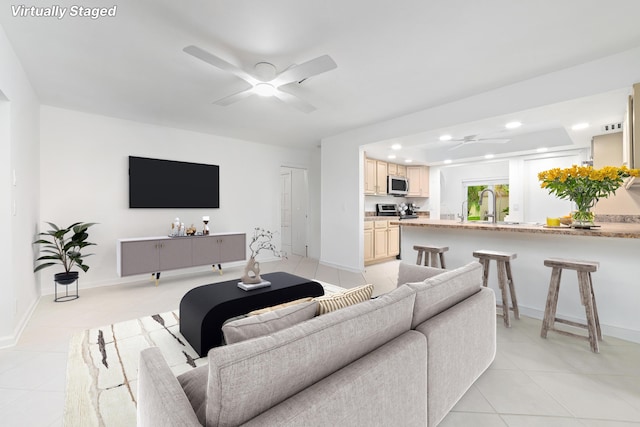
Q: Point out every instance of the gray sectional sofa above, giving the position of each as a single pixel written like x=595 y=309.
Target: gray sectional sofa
x=402 y=359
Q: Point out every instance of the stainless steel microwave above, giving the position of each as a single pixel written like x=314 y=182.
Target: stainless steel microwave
x=397 y=185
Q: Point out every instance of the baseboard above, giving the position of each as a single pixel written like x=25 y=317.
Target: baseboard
x=11 y=340
x=612 y=331
x=340 y=267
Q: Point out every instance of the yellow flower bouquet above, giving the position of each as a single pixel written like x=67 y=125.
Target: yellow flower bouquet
x=584 y=186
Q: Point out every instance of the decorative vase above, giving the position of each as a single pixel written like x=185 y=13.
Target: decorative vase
x=583 y=217
x=251 y=272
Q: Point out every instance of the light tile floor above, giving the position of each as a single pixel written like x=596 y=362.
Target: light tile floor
x=532 y=382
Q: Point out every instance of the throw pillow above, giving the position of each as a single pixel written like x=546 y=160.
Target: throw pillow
x=344 y=299
x=268 y=323
x=194 y=384
x=279 y=306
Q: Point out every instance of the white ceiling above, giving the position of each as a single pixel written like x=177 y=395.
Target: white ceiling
x=393 y=58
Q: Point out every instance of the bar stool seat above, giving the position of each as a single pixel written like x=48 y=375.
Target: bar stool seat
x=434 y=255
x=505 y=279
x=587 y=297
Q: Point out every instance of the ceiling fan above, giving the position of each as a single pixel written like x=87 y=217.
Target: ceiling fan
x=265 y=81
x=474 y=139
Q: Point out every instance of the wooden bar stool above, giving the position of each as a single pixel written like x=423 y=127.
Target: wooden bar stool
x=505 y=279
x=587 y=297
x=433 y=253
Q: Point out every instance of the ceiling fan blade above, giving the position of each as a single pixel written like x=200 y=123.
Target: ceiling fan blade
x=294 y=101
x=210 y=58
x=304 y=71
x=491 y=141
x=227 y=100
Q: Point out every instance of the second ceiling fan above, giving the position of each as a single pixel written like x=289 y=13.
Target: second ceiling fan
x=474 y=139
x=265 y=80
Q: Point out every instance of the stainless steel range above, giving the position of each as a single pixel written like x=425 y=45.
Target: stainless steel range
x=386 y=209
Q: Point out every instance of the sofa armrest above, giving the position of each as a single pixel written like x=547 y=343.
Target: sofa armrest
x=462 y=345
x=409 y=273
x=161 y=400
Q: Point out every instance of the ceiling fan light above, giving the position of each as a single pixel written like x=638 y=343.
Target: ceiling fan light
x=580 y=126
x=513 y=125
x=264 y=89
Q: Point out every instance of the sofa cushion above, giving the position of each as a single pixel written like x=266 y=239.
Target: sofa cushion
x=249 y=377
x=438 y=293
x=194 y=384
x=268 y=322
x=409 y=273
x=344 y=299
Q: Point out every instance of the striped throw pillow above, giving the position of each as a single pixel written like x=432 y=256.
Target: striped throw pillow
x=343 y=299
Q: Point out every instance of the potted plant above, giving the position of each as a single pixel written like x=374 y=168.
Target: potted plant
x=64 y=250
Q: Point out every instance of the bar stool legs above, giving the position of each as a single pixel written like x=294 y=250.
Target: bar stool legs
x=505 y=280
x=587 y=299
x=433 y=255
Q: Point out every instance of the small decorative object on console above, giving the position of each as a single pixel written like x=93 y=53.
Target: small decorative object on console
x=205 y=230
x=261 y=240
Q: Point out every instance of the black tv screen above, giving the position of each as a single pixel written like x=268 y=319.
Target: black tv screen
x=155 y=183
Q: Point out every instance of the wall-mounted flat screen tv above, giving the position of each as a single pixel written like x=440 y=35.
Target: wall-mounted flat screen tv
x=156 y=183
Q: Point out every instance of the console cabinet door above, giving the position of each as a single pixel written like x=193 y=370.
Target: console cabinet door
x=175 y=253
x=206 y=251
x=140 y=256
x=233 y=247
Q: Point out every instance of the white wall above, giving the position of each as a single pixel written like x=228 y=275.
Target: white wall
x=342 y=218
x=19 y=127
x=84 y=163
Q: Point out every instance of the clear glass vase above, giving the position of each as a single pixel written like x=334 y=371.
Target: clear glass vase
x=583 y=217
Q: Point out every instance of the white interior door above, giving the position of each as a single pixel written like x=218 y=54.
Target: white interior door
x=285 y=209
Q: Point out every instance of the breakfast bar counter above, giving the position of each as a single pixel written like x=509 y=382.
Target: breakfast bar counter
x=602 y=229
x=616 y=246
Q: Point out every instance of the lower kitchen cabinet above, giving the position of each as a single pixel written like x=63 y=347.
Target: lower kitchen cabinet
x=381 y=241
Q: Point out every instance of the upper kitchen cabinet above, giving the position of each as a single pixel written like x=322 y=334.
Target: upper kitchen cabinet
x=375 y=176
x=418 y=177
x=397 y=170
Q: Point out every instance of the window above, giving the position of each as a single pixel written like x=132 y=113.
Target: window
x=477 y=209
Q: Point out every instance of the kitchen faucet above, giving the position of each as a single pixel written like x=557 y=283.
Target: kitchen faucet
x=463 y=215
x=494 y=216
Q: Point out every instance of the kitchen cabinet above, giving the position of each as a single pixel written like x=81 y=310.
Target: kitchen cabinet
x=418 y=177
x=375 y=176
x=370 y=183
x=368 y=241
x=157 y=254
x=402 y=171
x=381 y=241
x=381 y=177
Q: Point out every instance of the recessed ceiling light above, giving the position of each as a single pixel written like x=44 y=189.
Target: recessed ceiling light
x=391 y=156
x=513 y=125
x=448 y=161
x=264 y=89
x=408 y=161
x=489 y=156
x=446 y=138
x=580 y=126
x=542 y=149
x=396 y=146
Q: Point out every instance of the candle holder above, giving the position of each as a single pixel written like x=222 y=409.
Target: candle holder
x=205 y=230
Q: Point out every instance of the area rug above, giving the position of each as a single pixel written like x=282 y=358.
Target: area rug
x=102 y=368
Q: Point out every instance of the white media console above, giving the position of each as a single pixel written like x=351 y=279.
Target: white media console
x=157 y=254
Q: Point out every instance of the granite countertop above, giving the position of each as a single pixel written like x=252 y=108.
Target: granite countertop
x=604 y=229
